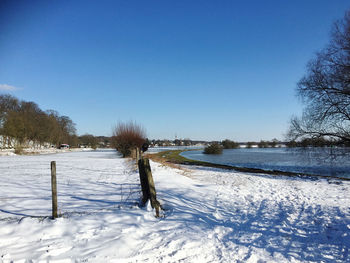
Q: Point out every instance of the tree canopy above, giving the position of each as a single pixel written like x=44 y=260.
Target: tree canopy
x=228 y=144
x=25 y=121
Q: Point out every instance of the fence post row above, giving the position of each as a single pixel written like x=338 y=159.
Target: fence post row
x=54 y=189
x=147 y=184
x=146 y=180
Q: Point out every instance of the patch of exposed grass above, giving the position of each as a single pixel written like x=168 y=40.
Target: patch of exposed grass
x=172 y=156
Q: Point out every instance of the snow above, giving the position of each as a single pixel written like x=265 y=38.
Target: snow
x=210 y=215
x=42 y=150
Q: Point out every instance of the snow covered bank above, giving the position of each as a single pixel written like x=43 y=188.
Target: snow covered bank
x=210 y=215
x=11 y=152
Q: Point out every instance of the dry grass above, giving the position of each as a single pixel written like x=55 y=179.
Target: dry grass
x=163 y=159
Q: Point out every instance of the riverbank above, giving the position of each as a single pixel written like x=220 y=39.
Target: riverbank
x=173 y=157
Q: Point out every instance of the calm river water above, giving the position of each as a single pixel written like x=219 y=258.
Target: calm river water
x=318 y=161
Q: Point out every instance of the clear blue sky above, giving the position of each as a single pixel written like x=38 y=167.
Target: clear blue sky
x=199 y=69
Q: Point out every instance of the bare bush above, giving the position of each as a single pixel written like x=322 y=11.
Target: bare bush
x=127 y=136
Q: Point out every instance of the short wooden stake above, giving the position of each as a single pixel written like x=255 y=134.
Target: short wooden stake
x=54 y=189
x=147 y=184
x=152 y=189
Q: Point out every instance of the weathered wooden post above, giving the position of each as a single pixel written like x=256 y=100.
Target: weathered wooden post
x=54 y=189
x=143 y=181
x=137 y=154
x=152 y=189
x=147 y=184
x=140 y=153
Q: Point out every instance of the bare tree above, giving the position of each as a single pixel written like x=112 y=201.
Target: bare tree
x=325 y=90
x=127 y=136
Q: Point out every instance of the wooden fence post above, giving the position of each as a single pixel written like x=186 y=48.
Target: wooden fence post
x=147 y=184
x=140 y=153
x=152 y=189
x=144 y=182
x=54 y=189
x=137 y=154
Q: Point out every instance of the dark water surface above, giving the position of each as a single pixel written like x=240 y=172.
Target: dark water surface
x=318 y=161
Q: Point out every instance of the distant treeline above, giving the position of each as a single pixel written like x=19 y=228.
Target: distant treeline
x=217 y=147
x=318 y=142
x=226 y=144
x=176 y=142
x=23 y=123
x=229 y=144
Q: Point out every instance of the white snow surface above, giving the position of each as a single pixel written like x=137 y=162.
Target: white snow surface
x=210 y=215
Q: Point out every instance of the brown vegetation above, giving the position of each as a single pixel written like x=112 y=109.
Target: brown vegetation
x=127 y=136
x=26 y=122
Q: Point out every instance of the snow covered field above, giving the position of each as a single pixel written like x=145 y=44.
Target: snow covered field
x=210 y=215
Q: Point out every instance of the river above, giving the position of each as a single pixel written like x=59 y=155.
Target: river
x=317 y=161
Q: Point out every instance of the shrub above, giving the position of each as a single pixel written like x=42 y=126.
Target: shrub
x=214 y=148
x=228 y=144
x=263 y=144
x=89 y=140
x=273 y=143
x=250 y=144
x=18 y=149
x=291 y=144
x=127 y=136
